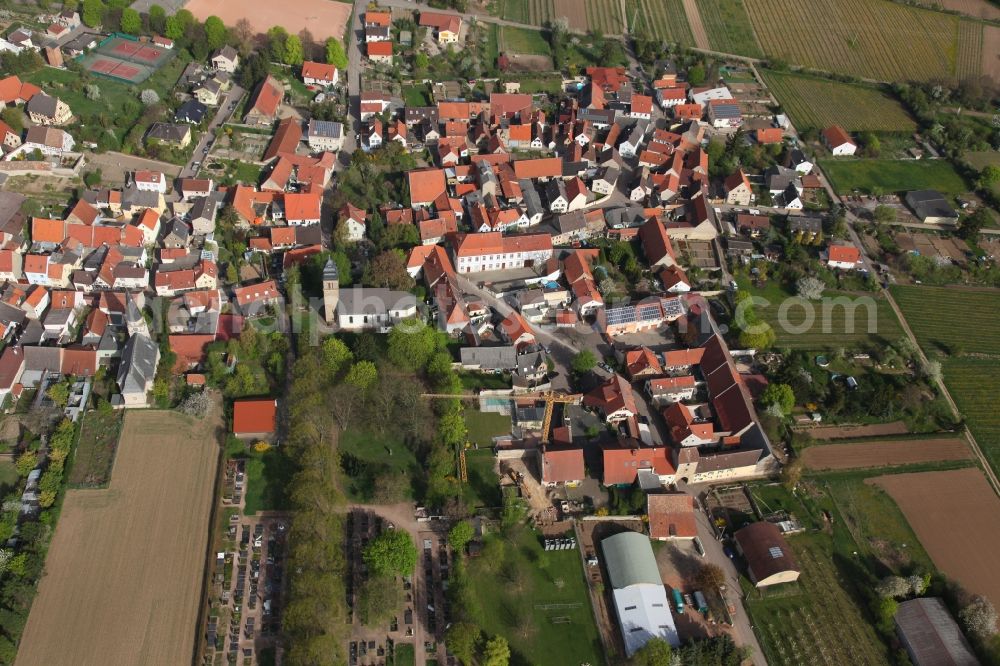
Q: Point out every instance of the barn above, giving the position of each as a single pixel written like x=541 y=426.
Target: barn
x=930 y=635
x=769 y=558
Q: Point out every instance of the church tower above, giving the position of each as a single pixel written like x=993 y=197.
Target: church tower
x=331 y=290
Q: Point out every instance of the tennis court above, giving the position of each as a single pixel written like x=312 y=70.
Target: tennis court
x=125 y=59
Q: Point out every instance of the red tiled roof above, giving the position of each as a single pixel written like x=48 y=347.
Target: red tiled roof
x=383 y=19
x=613 y=395
x=319 y=71
x=190 y=349
x=770 y=135
x=682 y=357
x=543 y=167
x=844 y=253
x=381 y=49
x=254 y=416
x=642 y=104
x=560 y=465
x=286 y=138
x=622 y=463
x=426 y=184
x=269 y=96
x=655 y=242
x=303 y=205
x=835 y=135
x=44 y=230
x=264 y=291
x=642 y=360
x=440 y=21
x=671 y=515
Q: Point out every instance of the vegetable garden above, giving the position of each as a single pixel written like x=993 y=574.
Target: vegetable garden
x=814 y=102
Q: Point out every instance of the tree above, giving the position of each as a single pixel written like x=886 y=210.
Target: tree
x=196 y=404
x=496 y=652
x=92 y=91
x=149 y=97
x=989 y=177
x=810 y=288
x=979 y=618
x=970 y=225
x=93 y=13
x=276 y=38
x=412 y=344
x=710 y=576
x=172 y=27
x=215 y=32
x=656 y=652
x=13 y=117
x=460 y=535
x=893 y=587
x=388 y=269
x=335 y=53
x=884 y=214
x=131 y=21
x=336 y=355
x=26 y=462
x=362 y=375
x=583 y=362
x=391 y=552
x=462 y=640
x=157 y=18
x=779 y=395
x=59 y=394
x=696 y=75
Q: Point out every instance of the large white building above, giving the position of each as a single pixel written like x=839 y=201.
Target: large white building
x=373 y=308
x=492 y=251
x=641 y=602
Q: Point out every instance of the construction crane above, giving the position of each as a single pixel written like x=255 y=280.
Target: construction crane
x=551 y=398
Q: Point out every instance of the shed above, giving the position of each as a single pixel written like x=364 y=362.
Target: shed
x=255 y=417
x=769 y=558
x=930 y=635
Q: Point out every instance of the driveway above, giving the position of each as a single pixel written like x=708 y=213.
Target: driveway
x=227 y=106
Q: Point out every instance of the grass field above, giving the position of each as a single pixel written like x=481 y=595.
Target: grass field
x=982 y=158
x=123 y=581
x=728 y=26
x=814 y=102
x=8 y=476
x=506 y=600
x=840 y=330
x=373 y=454
x=268 y=479
x=483 y=426
x=893 y=175
x=604 y=16
x=874 y=39
x=524 y=41
x=483 y=488
x=417 y=95
x=969 y=381
x=814 y=621
x=659 y=19
x=95 y=453
x=952 y=320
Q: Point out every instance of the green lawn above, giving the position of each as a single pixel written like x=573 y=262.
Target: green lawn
x=539 y=83
x=524 y=41
x=8 y=476
x=832 y=326
x=472 y=381
x=268 y=477
x=366 y=455
x=848 y=175
x=417 y=95
x=483 y=488
x=508 y=596
x=483 y=426
x=95 y=453
x=952 y=320
x=403 y=655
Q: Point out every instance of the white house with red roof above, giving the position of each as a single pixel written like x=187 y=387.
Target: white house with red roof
x=846 y=257
x=150 y=181
x=319 y=74
x=839 y=141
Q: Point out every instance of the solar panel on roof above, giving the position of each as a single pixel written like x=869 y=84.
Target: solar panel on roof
x=624 y=315
x=649 y=312
x=775 y=552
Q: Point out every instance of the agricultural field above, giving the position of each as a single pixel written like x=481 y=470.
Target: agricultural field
x=536 y=599
x=874 y=39
x=728 y=27
x=952 y=320
x=814 y=621
x=524 y=41
x=122 y=581
x=975 y=8
x=956 y=516
x=868 y=175
x=819 y=103
x=95 y=453
x=970 y=49
x=532 y=12
x=969 y=382
x=982 y=158
x=604 y=16
x=860 y=455
x=876 y=325
x=663 y=20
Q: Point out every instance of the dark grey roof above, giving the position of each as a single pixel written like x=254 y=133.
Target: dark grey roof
x=930 y=203
x=204 y=208
x=138 y=364
x=930 y=635
x=326 y=128
x=805 y=223
x=330 y=271
x=42 y=358
x=529 y=195
x=779 y=178
x=570 y=222
x=493 y=358
x=191 y=111
x=597 y=116
x=554 y=189
x=167 y=132
x=373 y=300
x=10 y=206
x=727 y=110
x=308 y=234
x=628 y=216
x=227 y=52
x=43 y=104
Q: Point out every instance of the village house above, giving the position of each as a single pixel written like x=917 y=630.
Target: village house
x=738 y=189
x=446 y=26
x=846 y=257
x=325 y=135
x=226 y=59
x=47 y=110
x=319 y=74
x=838 y=141
x=255 y=418
x=46 y=140
x=137 y=370
x=267 y=99
x=168 y=133
x=150 y=181
x=479 y=252
x=379 y=52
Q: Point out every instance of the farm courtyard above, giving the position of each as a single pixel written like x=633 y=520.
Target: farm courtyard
x=122 y=580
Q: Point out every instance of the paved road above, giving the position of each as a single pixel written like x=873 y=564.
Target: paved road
x=227 y=106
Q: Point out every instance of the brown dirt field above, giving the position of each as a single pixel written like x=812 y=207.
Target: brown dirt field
x=862 y=455
x=574 y=11
x=123 y=579
x=975 y=8
x=845 y=432
x=697 y=27
x=324 y=18
x=991 y=52
x=956 y=516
